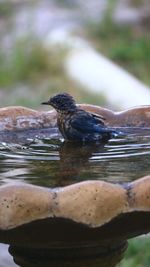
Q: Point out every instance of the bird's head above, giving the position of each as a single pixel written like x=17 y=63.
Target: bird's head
x=62 y=102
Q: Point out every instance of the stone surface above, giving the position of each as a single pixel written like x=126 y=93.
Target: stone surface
x=133 y=117
x=20 y=118
x=87 y=223
x=16 y=118
x=91 y=203
x=31 y=258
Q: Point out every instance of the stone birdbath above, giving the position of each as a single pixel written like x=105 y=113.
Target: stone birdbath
x=77 y=223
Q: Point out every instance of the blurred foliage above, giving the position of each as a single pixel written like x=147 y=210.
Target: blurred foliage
x=137 y=254
x=31 y=71
x=29 y=61
x=6 y=8
x=129 y=46
x=66 y=3
x=137 y=3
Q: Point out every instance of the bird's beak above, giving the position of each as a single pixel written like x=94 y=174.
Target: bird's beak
x=45 y=103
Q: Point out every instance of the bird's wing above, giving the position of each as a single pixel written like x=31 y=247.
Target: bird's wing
x=86 y=122
x=99 y=117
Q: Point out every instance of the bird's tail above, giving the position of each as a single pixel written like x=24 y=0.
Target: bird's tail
x=114 y=133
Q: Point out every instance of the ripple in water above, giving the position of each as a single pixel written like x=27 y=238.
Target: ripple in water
x=51 y=162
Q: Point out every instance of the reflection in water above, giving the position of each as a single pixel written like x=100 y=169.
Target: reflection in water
x=53 y=163
x=74 y=161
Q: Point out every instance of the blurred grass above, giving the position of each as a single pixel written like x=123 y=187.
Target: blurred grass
x=6 y=8
x=30 y=71
x=29 y=61
x=137 y=254
x=127 y=45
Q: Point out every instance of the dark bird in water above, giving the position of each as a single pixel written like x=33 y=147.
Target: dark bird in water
x=76 y=124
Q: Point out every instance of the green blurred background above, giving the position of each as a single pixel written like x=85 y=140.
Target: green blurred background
x=30 y=71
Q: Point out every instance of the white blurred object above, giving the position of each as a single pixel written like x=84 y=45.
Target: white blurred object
x=6 y=260
x=99 y=74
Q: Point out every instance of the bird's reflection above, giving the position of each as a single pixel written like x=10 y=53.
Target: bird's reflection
x=52 y=164
x=74 y=161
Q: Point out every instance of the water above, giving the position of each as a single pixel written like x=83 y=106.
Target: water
x=51 y=162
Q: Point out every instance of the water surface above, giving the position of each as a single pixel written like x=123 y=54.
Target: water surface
x=51 y=162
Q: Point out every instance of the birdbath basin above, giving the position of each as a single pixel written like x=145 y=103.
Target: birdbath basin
x=81 y=216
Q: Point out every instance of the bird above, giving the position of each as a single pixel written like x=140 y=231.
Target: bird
x=76 y=124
